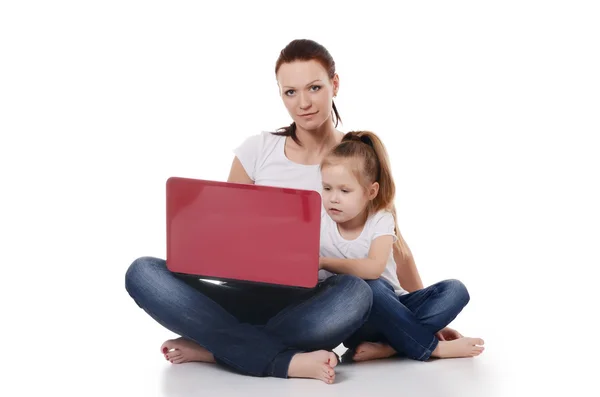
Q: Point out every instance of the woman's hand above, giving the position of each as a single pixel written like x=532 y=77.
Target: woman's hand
x=448 y=334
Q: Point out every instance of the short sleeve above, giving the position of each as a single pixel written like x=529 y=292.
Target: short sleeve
x=383 y=225
x=248 y=153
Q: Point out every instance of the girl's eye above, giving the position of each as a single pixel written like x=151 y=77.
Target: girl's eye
x=289 y=92
x=345 y=191
x=326 y=188
x=315 y=87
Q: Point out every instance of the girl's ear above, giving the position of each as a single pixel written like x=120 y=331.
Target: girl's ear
x=373 y=190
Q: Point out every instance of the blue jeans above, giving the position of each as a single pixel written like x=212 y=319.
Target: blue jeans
x=408 y=322
x=253 y=330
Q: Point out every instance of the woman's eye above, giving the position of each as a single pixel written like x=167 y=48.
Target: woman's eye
x=289 y=92
x=315 y=87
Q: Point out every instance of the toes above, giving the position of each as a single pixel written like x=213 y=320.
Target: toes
x=358 y=357
x=362 y=347
x=477 y=351
x=164 y=348
x=178 y=360
x=167 y=346
x=327 y=380
x=333 y=361
x=330 y=372
x=479 y=341
x=174 y=354
x=328 y=375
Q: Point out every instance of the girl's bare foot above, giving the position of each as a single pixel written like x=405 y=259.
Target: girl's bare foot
x=372 y=351
x=182 y=350
x=462 y=347
x=316 y=365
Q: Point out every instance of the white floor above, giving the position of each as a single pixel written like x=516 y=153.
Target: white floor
x=452 y=377
x=501 y=371
x=92 y=340
x=458 y=377
x=519 y=360
x=86 y=337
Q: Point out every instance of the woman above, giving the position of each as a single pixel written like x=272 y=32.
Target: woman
x=258 y=330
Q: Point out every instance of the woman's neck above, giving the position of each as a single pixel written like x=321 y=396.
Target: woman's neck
x=320 y=140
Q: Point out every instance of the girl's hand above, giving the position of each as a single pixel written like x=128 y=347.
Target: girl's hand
x=448 y=334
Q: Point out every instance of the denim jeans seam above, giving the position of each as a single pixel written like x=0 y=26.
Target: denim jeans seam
x=271 y=371
x=428 y=351
x=241 y=369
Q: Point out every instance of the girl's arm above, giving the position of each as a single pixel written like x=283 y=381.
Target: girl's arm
x=369 y=268
x=406 y=270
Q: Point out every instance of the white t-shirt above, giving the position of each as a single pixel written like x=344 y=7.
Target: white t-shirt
x=333 y=245
x=264 y=160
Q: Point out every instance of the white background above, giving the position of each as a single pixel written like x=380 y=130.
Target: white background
x=490 y=112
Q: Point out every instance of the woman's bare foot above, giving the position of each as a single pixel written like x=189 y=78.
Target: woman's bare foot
x=462 y=347
x=182 y=350
x=372 y=351
x=316 y=365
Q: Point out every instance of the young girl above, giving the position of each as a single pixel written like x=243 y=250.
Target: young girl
x=358 y=232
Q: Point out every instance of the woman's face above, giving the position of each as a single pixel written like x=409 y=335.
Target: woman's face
x=307 y=92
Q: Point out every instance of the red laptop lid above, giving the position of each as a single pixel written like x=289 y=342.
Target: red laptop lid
x=229 y=231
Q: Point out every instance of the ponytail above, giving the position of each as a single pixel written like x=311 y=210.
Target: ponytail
x=290 y=131
x=400 y=245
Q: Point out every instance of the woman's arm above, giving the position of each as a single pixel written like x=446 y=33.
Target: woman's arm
x=410 y=280
x=406 y=270
x=369 y=268
x=238 y=174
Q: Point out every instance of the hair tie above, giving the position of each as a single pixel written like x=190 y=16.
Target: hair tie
x=359 y=138
x=366 y=139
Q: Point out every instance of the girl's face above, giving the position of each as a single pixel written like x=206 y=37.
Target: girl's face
x=307 y=92
x=344 y=198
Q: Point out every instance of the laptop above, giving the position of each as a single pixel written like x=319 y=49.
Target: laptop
x=243 y=233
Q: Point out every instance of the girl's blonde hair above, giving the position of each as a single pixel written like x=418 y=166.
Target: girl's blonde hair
x=373 y=165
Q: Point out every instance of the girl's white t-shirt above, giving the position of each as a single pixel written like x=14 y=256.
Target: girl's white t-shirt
x=333 y=245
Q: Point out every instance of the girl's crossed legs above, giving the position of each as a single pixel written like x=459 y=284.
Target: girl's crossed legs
x=406 y=325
